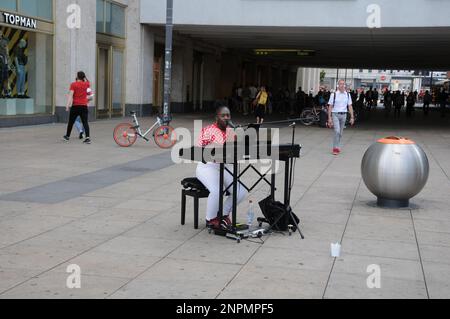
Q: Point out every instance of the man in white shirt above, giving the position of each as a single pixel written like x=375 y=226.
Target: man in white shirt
x=340 y=103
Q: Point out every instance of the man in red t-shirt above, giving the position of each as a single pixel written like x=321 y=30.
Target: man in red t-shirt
x=77 y=103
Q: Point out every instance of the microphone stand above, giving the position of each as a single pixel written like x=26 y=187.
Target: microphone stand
x=288 y=209
x=288 y=204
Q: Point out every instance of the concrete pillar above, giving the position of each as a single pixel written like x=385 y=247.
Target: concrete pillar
x=417 y=84
x=299 y=78
x=176 y=96
x=138 y=62
x=188 y=63
x=76 y=50
x=211 y=74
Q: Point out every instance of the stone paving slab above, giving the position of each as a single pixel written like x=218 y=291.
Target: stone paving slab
x=174 y=278
x=379 y=248
x=389 y=267
x=269 y=282
x=350 y=286
x=438 y=279
x=52 y=285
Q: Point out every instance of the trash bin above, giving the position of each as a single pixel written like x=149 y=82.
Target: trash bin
x=395 y=169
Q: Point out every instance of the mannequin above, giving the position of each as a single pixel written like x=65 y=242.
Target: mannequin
x=5 y=89
x=21 y=62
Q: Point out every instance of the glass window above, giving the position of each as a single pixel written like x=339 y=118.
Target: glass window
x=118 y=20
x=117 y=80
x=100 y=16
x=110 y=18
x=115 y=19
x=37 y=8
x=26 y=79
x=107 y=17
x=8 y=5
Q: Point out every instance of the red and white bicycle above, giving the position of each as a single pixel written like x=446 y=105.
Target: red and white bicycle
x=126 y=134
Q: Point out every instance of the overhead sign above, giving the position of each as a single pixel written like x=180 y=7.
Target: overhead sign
x=284 y=52
x=20 y=21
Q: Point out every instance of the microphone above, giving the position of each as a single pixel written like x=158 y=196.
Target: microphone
x=232 y=125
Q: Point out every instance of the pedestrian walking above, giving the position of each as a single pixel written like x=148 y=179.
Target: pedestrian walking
x=339 y=105
x=77 y=104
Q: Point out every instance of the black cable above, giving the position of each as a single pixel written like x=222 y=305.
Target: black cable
x=261 y=242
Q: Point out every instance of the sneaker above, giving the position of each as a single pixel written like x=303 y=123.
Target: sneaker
x=227 y=221
x=81 y=136
x=87 y=141
x=216 y=223
x=66 y=138
x=213 y=223
x=335 y=151
x=338 y=150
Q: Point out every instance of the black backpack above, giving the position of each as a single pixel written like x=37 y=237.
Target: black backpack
x=277 y=215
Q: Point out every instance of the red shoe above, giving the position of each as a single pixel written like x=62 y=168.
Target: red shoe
x=335 y=151
x=227 y=221
x=217 y=223
x=213 y=223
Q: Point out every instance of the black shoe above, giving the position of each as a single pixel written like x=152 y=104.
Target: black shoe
x=87 y=141
x=66 y=138
x=81 y=136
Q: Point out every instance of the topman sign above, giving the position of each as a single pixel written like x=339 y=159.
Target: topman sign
x=20 y=21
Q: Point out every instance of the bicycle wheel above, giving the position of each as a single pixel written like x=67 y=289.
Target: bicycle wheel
x=307 y=117
x=165 y=136
x=125 y=135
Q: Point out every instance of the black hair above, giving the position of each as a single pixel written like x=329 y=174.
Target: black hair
x=219 y=108
x=81 y=76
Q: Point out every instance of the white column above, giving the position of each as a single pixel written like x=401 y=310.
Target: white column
x=75 y=48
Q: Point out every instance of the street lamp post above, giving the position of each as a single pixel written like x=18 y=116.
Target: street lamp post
x=168 y=58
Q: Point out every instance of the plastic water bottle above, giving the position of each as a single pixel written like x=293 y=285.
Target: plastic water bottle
x=250 y=213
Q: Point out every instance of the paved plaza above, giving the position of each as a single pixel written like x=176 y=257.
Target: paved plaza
x=115 y=212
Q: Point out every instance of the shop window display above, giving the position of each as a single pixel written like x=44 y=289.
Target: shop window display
x=26 y=72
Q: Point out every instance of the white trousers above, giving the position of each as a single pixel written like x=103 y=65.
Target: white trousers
x=209 y=175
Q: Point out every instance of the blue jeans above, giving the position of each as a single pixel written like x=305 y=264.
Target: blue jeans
x=339 y=120
x=78 y=125
x=21 y=74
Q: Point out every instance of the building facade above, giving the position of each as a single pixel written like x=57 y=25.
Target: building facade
x=43 y=43
x=403 y=80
